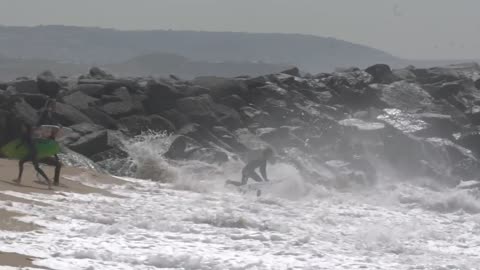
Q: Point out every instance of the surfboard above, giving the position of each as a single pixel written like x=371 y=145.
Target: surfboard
x=17 y=150
x=257 y=187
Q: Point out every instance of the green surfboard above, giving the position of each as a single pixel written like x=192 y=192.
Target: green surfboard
x=45 y=148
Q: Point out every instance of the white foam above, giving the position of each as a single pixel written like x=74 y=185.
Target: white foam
x=205 y=226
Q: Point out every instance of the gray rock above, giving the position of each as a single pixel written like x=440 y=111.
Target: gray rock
x=292 y=71
x=161 y=97
x=67 y=115
x=94 y=90
x=203 y=110
x=98 y=73
x=48 y=84
x=100 y=118
x=87 y=139
x=124 y=105
x=221 y=87
x=402 y=95
x=381 y=73
x=136 y=124
x=80 y=100
x=25 y=86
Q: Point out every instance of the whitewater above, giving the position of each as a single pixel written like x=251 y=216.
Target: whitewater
x=181 y=216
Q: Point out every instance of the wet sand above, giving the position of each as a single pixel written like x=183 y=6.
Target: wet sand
x=31 y=184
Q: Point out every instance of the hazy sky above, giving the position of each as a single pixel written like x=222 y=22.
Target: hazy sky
x=407 y=28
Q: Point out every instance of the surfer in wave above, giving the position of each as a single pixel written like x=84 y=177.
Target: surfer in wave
x=249 y=169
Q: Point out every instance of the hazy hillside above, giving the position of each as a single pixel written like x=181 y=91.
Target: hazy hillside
x=106 y=46
x=155 y=64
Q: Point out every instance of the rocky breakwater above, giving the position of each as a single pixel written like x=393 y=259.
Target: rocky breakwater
x=339 y=129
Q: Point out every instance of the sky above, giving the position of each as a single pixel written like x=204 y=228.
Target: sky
x=415 y=29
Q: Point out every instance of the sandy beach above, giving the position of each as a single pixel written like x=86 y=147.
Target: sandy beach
x=30 y=184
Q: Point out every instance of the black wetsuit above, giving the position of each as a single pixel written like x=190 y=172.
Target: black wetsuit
x=46 y=118
x=28 y=140
x=249 y=172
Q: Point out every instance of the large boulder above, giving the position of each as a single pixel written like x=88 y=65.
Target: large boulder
x=294 y=71
x=351 y=89
x=470 y=139
x=22 y=110
x=229 y=138
x=233 y=101
x=136 y=124
x=100 y=118
x=477 y=84
x=269 y=90
x=37 y=101
x=181 y=148
x=254 y=116
x=90 y=86
x=80 y=100
x=48 y=84
x=99 y=73
x=177 y=118
x=443 y=154
x=256 y=82
x=24 y=85
x=3 y=85
x=161 y=97
x=381 y=73
x=203 y=110
x=123 y=105
x=354 y=78
x=439 y=125
x=402 y=95
x=221 y=87
x=87 y=139
x=444 y=90
x=186 y=148
x=280 y=137
x=436 y=75
x=277 y=109
x=405 y=74
x=67 y=115
x=94 y=90
x=7 y=132
x=204 y=136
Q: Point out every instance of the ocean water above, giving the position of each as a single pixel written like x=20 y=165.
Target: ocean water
x=194 y=222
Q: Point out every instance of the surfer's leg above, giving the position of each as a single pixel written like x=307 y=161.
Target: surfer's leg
x=241 y=183
x=20 y=171
x=40 y=171
x=33 y=158
x=58 y=167
x=256 y=177
x=244 y=180
x=31 y=152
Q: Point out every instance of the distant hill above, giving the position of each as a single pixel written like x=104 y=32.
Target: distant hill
x=107 y=46
x=164 y=64
x=68 y=50
x=155 y=64
x=11 y=68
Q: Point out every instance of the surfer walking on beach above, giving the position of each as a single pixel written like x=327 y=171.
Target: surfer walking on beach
x=28 y=137
x=47 y=118
x=249 y=169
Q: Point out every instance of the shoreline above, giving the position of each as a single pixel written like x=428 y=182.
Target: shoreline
x=9 y=221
